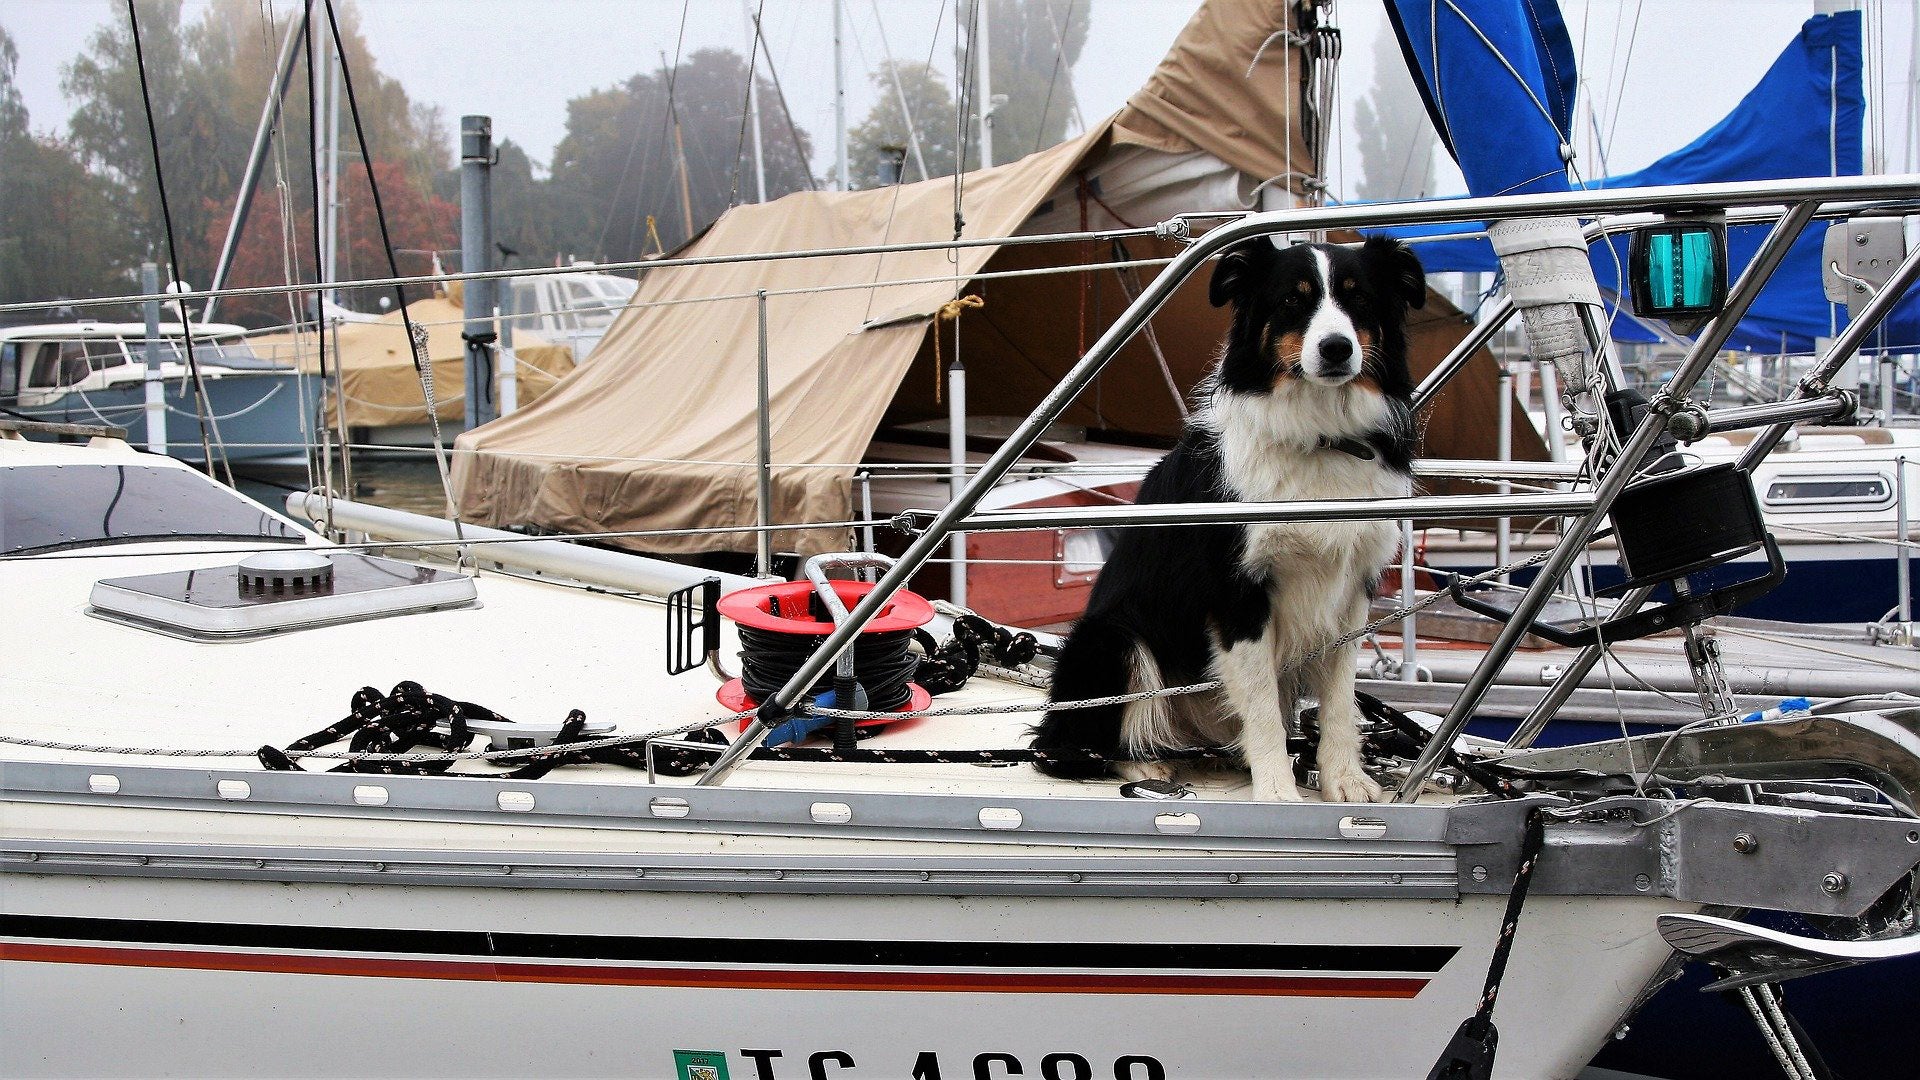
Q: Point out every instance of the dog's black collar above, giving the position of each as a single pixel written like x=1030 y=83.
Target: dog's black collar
x=1353 y=447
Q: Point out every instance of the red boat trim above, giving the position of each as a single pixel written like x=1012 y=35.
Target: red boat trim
x=1321 y=986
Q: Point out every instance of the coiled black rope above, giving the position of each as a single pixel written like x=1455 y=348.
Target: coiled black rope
x=392 y=723
x=946 y=668
x=882 y=664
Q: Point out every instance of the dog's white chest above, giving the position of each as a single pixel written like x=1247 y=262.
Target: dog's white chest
x=1341 y=548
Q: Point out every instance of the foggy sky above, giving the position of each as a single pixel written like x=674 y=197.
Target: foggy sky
x=520 y=60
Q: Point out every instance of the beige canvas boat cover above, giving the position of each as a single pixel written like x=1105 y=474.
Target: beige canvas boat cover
x=377 y=379
x=1227 y=87
x=659 y=430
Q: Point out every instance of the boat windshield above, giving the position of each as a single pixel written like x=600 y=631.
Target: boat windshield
x=231 y=353
x=53 y=507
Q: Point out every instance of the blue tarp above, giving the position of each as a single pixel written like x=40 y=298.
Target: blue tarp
x=1803 y=119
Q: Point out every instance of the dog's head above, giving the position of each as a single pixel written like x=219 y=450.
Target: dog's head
x=1330 y=315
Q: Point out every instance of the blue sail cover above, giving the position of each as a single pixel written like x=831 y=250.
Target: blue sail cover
x=1498 y=79
x=1803 y=119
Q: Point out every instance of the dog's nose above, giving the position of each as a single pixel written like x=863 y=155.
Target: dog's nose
x=1336 y=351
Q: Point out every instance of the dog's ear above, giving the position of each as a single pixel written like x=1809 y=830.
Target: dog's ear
x=1239 y=268
x=1397 y=268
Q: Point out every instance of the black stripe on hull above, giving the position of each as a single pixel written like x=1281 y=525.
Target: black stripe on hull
x=787 y=952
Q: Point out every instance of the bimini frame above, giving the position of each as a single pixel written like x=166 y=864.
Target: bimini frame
x=1802 y=200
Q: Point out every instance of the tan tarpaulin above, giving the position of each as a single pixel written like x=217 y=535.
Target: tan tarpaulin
x=658 y=433
x=377 y=379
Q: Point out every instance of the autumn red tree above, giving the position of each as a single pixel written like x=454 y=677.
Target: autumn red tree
x=420 y=222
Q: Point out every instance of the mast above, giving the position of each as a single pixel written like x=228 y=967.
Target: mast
x=753 y=105
x=330 y=177
x=686 y=195
x=257 y=157
x=984 y=95
x=839 y=98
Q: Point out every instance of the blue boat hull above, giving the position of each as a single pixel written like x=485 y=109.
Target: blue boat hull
x=258 y=415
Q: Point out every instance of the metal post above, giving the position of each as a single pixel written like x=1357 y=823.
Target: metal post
x=1886 y=389
x=476 y=256
x=509 y=364
x=331 y=236
x=1903 y=572
x=764 y=542
x=1550 y=410
x=1609 y=485
x=839 y=97
x=983 y=95
x=1503 y=529
x=257 y=157
x=156 y=386
x=753 y=107
x=866 y=510
x=957 y=465
x=1409 y=635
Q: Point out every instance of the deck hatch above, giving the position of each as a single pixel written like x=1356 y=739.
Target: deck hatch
x=222 y=603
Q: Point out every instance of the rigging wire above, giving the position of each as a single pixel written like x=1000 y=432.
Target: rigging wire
x=748 y=114
x=173 y=250
x=1626 y=66
x=1059 y=55
x=416 y=336
x=634 y=144
x=780 y=95
x=893 y=204
x=906 y=113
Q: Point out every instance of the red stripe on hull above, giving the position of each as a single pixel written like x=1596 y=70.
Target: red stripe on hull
x=721 y=978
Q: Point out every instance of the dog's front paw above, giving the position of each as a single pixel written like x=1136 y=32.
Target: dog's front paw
x=1349 y=784
x=1277 y=786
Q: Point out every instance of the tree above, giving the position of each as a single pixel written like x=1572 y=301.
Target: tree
x=59 y=233
x=1032 y=45
x=420 y=223
x=526 y=221
x=931 y=106
x=620 y=161
x=1395 y=139
x=13 y=111
x=209 y=80
x=109 y=128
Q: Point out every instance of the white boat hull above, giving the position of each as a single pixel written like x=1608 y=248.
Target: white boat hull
x=352 y=980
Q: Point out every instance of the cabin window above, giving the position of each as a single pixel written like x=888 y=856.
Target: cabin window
x=1828 y=492
x=58 y=363
x=9 y=370
x=591 y=308
x=104 y=353
x=526 y=305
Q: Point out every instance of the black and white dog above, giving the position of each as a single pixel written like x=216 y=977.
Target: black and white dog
x=1310 y=400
